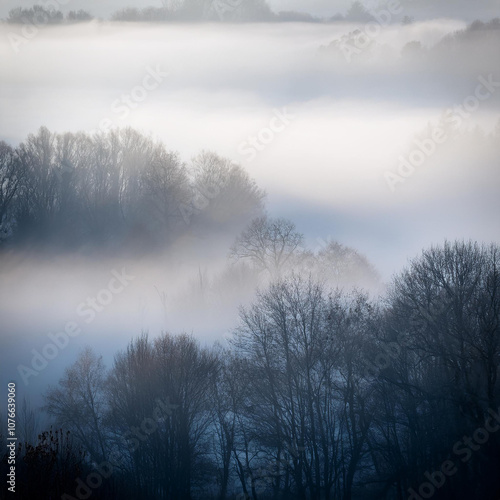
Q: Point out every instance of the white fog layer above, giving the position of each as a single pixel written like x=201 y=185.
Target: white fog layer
x=363 y=143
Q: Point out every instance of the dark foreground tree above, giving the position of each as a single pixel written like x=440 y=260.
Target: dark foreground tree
x=320 y=395
x=439 y=371
x=11 y=180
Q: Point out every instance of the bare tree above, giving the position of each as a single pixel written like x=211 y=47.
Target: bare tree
x=28 y=423
x=307 y=409
x=442 y=378
x=165 y=188
x=268 y=243
x=169 y=455
x=340 y=265
x=223 y=194
x=78 y=403
x=11 y=177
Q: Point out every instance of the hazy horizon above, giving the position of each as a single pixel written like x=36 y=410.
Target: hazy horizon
x=312 y=198
x=313 y=172
x=428 y=9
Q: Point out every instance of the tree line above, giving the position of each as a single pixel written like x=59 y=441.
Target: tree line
x=40 y=15
x=320 y=394
x=190 y=10
x=116 y=189
x=170 y=11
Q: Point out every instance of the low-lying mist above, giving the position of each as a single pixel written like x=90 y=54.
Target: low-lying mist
x=323 y=121
x=271 y=246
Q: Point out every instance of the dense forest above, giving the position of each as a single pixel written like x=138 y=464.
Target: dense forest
x=323 y=391
x=175 y=11
x=320 y=394
x=115 y=190
x=314 y=301
x=188 y=11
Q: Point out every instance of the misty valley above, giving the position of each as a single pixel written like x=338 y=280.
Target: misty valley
x=249 y=250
